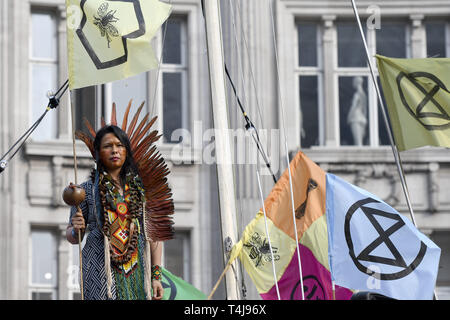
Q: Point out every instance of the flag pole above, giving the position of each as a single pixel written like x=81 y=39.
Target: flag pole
x=386 y=122
x=75 y=169
x=225 y=174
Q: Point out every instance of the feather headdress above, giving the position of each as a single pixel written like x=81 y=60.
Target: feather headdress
x=159 y=207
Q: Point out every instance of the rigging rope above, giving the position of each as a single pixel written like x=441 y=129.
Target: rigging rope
x=52 y=104
x=244 y=39
x=268 y=235
x=286 y=147
x=254 y=132
x=159 y=66
x=252 y=129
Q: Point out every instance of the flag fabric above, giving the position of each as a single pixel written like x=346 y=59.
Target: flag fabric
x=176 y=288
x=253 y=249
x=418 y=100
x=374 y=248
x=110 y=40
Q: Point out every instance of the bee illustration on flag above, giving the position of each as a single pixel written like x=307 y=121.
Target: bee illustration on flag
x=260 y=250
x=105 y=21
x=111 y=40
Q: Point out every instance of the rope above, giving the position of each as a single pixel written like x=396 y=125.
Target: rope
x=286 y=148
x=53 y=103
x=249 y=126
x=147 y=275
x=159 y=66
x=248 y=56
x=107 y=266
x=255 y=135
x=268 y=236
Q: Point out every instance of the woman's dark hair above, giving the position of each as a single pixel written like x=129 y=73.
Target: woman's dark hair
x=129 y=164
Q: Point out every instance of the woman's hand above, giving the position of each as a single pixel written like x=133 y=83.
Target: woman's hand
x=158 y=290
x=78 y=222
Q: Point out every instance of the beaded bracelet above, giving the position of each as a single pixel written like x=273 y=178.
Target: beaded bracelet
x=156 y=272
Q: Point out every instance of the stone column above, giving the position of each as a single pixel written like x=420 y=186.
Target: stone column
x=4 y=146
x=63 y=263
x=64 y=109
x=418 y=37
x=329 y=64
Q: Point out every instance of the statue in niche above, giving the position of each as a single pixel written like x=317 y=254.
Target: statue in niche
x=357 y=115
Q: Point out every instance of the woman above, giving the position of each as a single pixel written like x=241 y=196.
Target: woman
x=116 y=261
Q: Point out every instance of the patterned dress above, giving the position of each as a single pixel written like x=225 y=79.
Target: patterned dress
x=128 y=279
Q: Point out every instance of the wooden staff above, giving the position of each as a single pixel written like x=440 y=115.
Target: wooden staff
x=73 y=195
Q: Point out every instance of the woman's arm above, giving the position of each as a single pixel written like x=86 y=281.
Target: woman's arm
x=156 y=253
x=156 y=250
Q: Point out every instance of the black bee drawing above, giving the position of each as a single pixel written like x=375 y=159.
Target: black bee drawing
x=105 y=21
x=260 y=250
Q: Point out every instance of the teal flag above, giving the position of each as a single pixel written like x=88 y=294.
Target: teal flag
x=374 y=248
x=176 y=288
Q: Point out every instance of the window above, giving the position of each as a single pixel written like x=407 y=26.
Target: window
x=309 y=74
x=177 y=254
x=43 y=70
x=351 y=51
x=85 y=107
x=354 y=117
x=44 y=264
x=438 y=39
x=392 y=39
x=359 y=120
x=130 y=88
x=93 y=102
x=174 y=73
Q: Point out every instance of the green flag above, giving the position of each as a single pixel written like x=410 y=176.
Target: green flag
x=418 y=100
x=176 y=288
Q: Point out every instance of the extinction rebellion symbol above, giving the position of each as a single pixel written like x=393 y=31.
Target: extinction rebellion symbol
x=170 y=285
x=395 y=261
x=312 y=289
x=430 y=111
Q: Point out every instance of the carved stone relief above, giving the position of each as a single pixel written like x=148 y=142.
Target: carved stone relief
x=367 y=175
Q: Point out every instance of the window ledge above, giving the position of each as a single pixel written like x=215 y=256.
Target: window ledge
x=356 y=154
x=181 y=154
x=62 y=148
x=176 y=154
